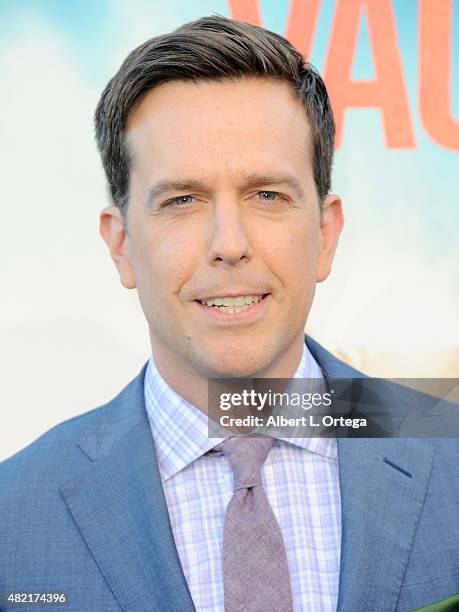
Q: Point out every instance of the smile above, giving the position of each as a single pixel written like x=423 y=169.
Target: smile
x=238 y=308
x=232 y=305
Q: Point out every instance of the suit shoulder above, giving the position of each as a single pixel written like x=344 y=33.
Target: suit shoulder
x=55 y=448
x=45 y=458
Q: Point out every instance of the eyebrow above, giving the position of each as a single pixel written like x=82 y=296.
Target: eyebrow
x=250 y=181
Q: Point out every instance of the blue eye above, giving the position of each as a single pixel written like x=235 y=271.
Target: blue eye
x=272 y=195
x=179 y=202
x=183 y=200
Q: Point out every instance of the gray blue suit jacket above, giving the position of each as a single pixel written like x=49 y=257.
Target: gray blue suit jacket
x=82 y=510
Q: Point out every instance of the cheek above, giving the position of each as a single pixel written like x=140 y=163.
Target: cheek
x=297 y=264
x=297 y=253
x=164 y=261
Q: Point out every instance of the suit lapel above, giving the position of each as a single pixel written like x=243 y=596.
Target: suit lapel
x=119 y=507
x=380 y=508
x=383 y=485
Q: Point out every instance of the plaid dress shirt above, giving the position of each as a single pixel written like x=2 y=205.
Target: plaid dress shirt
x=301 y=481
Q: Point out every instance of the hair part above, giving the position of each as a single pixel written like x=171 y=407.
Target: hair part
x=209 y=49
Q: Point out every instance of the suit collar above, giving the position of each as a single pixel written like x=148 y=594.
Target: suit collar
x=115 y=419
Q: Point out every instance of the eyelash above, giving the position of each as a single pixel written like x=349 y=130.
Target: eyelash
x=173 y=201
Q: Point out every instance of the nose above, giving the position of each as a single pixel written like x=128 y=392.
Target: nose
x=229 y=240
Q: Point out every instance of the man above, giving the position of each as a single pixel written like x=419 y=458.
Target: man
x=217 y=142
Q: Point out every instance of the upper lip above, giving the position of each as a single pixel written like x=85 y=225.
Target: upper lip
x=229 y=294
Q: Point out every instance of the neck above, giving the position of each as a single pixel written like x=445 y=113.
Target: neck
x=192 y=384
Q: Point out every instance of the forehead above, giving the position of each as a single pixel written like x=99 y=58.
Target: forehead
x=238 y=123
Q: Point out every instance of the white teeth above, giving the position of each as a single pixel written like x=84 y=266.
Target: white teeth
x=231 y=303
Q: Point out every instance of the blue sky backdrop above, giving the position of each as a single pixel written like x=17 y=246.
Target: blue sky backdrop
x=395 y=283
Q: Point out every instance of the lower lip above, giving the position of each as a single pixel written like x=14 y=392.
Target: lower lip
x=255 y=310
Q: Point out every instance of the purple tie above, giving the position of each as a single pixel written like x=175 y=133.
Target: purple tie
x=255 y=569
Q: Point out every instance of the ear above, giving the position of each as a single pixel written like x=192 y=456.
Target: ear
x=330 y=229
x=112 y=231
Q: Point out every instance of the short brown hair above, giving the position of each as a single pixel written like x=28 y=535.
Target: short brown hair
x=210 y=49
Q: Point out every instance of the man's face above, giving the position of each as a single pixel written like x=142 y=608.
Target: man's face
x=223 y=204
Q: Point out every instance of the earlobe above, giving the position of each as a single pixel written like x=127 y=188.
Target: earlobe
x=112 y=230
x=330 y=229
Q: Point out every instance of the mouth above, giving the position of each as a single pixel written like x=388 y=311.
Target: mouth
x=234 y=308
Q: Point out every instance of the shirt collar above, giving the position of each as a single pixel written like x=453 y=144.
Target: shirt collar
x=180 y=429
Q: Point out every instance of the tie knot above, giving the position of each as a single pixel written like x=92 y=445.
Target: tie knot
x=246 y=457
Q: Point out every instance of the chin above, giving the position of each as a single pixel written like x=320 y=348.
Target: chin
x=228 y=366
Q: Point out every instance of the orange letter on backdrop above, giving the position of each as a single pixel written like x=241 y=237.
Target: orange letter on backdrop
x=435 y=72
x=301 y=24
x=387 y=91
x=245 y=10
